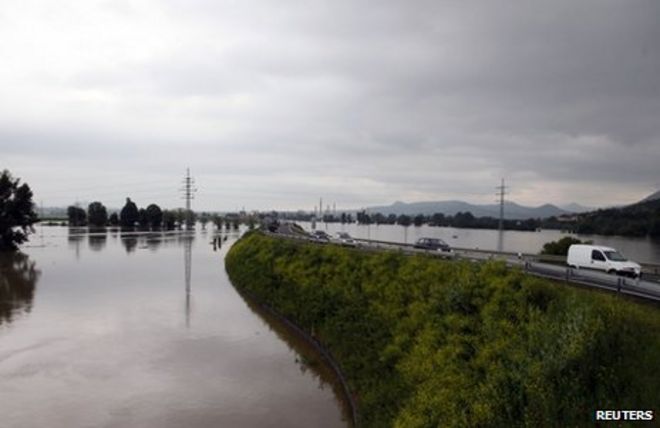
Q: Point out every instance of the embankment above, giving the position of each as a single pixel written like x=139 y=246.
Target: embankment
x=425 y=342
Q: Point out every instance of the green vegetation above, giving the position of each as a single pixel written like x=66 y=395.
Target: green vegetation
x=16 y=212
x=560 y=248
x=640 y=219
x=425 y=342
x=129 y=215
x=97 y=214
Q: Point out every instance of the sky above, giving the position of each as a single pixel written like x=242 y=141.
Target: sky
x=273 y=105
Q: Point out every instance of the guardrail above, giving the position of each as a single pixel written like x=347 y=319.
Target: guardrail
x=533 y=264
x=648 y=268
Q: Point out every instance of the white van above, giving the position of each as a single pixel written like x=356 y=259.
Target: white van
x=601 y=258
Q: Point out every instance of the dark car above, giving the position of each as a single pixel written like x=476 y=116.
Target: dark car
x=345 y=239
x=319 y=235
x=433 y=244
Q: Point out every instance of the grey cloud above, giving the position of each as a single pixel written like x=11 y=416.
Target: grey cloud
x=404 y=99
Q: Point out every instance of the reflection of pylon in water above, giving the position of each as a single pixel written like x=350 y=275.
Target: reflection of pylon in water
x=187 y=260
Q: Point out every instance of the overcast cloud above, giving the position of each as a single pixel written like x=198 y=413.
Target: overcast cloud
x=275 y=104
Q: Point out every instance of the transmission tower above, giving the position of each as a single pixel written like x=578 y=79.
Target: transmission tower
x=188 y=190
x=501 y=191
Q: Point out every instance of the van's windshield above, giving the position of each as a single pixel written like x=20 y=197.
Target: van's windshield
x=614 y=256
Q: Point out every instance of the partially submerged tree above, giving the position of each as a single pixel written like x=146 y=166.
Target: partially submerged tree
x=17 y=213
x=97 y=214
x=129 y=215
x=76 y=215
x=154 y=216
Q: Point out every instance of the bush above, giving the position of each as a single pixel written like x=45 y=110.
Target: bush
x=560 y=248
x=425 y=342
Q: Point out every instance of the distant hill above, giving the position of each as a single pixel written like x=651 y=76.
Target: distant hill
x=640 y=219
x=576 y=208
x=652 y=197
x=512 y=210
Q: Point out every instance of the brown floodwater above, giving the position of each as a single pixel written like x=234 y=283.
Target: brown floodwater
x=106 y=329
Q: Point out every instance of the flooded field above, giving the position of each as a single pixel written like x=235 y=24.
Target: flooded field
x=145 y=330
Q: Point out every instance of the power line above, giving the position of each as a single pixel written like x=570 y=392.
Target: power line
x=501 y=191
x=188 y=190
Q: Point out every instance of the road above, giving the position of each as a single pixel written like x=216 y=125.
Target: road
x=641 y=288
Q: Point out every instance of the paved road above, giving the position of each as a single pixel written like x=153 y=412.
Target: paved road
x=642 y=288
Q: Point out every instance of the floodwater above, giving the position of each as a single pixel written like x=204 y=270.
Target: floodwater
x=638 y=249
x=111 y=330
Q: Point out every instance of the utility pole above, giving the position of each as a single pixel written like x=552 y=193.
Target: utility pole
x=321 y=209
x=188 y=190
x=501 y=191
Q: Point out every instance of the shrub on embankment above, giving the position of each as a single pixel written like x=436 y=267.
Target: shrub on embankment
x=426 y=342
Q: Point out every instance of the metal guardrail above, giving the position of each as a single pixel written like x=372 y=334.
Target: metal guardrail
x=649 y=268
x=530 y=263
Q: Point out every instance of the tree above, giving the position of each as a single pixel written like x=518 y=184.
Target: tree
x=129 y=215
x=169 y=219
x=17 y=213
x=560 y=248
x=97 y=214
x=113 y=219
x=142 y=218
x=77 y=216
x=403 y=220
x=154 y=216
x=204 y=218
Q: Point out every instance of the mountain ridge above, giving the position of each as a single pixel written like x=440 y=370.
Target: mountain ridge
x=512 y=210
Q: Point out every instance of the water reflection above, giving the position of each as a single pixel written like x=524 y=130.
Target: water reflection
x=75 y=236
x=97 y=240
x=187 y=261
x=18 y=280
x=129 y=241
x=308 y=358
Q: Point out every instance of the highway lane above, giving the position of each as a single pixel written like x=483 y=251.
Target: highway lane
x=642 y=288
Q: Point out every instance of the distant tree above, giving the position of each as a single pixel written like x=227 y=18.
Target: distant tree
x=143 y=220
x=169 y=219
x=190 y=217
x=17 y=213
x=438 y=219
x=403 y=220
x=204 y=218
x=113 y=219
x=154 y=216
x=218 y=221
x=560 y=248
x=129 y=215
x=464 y=219
x=76 y=215
x=419 y=220
x=97 y=215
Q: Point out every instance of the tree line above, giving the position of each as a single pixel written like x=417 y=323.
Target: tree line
x=459 y=220
x=150 y=218
x=642 y=219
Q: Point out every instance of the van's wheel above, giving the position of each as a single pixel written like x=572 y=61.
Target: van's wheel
x=611 y=272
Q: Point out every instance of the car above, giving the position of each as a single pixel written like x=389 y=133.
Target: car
x=345 y=239
x=434 y=244
x=319 y=235
x=602 y=258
